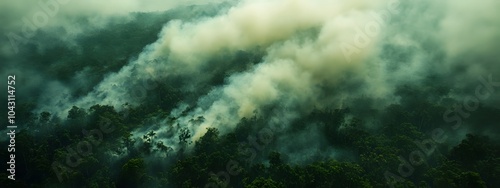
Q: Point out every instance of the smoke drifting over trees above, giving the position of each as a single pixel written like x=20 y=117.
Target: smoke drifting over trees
x=254 y=93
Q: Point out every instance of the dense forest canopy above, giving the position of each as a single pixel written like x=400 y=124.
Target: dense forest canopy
x=251 y=93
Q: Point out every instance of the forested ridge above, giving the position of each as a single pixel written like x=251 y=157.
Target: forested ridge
x=230 y=159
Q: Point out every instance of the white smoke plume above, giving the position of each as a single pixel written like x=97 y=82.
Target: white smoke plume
x=317 y=54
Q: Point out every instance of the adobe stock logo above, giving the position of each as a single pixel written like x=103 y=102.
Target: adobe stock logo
x=457 y=115
x=39 y=19
x=363 y=36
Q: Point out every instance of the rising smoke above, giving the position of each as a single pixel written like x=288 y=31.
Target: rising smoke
x=314 y=54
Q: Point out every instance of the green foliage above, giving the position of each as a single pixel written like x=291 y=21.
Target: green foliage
x=264 y=183
x=76 y=113
x=132 y=173
x=223 y=157
x=450 y=174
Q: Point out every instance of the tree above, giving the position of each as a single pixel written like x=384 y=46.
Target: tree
x=132 y=173
x=451 y=174
x=44 y=117
x=207 y=142
x=76 y=113
x=472 y=149
x=184 y=135
x=261 y=182
x=275 y=158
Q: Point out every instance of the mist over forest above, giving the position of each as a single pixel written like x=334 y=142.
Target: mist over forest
x=251 y=93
